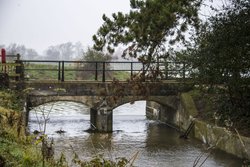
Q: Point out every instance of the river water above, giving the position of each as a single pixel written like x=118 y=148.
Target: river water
x=157 y=144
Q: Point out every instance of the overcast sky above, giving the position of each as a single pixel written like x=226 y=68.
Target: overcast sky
x=41 y=23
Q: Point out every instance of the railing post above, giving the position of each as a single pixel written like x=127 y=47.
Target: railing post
x=62 y=79
x=158 y=63
x=59 y=70
x=184 y=70
x=166 y=70
x=3 y=55
x=96 y=71
x=103 y=72
x=131 y=70
x=19 y=68
x=143 y=71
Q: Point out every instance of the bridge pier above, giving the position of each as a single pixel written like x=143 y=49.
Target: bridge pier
x=101 y=120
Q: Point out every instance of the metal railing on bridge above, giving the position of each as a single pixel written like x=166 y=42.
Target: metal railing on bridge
x=87 y=70
x=97 y=70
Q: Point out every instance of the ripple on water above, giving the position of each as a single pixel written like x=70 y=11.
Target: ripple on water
x=158 y=145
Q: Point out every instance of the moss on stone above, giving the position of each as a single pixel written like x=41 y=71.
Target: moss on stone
x=188 y=104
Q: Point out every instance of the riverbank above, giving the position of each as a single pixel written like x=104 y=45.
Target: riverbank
x=16 y=148
x=194 y=108
x=206 y=129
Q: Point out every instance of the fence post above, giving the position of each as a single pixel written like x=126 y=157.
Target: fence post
x=143 y=72
x=103 y=72
x=184 y=70
x=59 y=70
x=166 y=70
x=19 y=68
x=3 y=54
x=62 y=79
x=158 y=63
x=96 y=71
x=131 y=70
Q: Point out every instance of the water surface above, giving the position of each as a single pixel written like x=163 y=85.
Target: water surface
x=158 y=145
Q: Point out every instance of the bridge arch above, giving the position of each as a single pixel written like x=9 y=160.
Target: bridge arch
x=34 y=101
x=157 y=107
x=102 y=118
x=164 y=109
x=171 y=101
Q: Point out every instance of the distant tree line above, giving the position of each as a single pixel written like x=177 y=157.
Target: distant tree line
x=64 y=51
x=26 y=53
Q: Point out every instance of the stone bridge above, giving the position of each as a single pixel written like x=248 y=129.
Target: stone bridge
x=102 y=98
x=93 y=83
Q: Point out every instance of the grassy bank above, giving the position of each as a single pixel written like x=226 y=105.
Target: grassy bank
x=16 y=148
x=20 y=150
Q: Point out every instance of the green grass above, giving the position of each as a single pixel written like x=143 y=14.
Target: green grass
x=11 y=100
x=121 y=75
x=14 y=150
x=47 y=72
x=50 y=72
x=19 y=154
